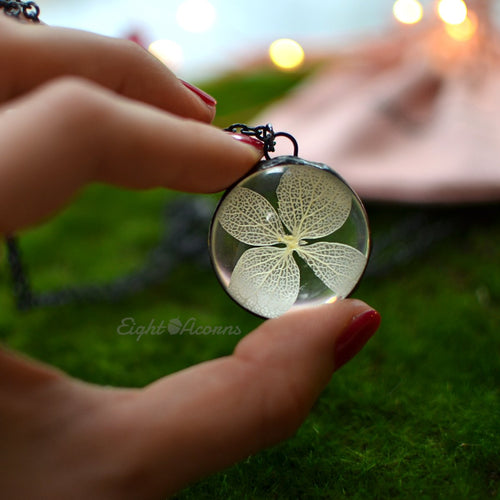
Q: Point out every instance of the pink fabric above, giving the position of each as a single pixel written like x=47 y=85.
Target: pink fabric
x=410 y=120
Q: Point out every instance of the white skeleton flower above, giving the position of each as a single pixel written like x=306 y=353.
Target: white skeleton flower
x=312 y=204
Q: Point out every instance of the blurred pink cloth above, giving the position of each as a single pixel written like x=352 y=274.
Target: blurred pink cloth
x=411 y=120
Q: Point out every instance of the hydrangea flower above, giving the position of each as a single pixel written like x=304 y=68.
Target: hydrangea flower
x=312 y=204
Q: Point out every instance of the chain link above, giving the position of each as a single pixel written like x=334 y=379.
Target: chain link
x=15 y=8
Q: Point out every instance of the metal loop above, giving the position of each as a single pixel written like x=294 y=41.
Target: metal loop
x=292 y=138
x=266 y=134
x=31 y=11
x=15 y=8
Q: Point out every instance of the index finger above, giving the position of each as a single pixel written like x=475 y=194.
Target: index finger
x=70 y=133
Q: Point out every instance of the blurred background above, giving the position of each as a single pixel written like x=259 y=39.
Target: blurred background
x=202 y=38
x=403 y=99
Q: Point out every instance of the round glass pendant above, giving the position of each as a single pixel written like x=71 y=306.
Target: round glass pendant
x=290 y=234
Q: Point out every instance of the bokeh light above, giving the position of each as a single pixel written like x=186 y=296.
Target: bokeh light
x=452 y=11
x=408 y=11
x=196 y=16
x=168 y=52
x=287 y=54
x=463 y=31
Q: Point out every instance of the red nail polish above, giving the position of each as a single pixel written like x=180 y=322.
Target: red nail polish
x=206 y=98
x=355 y=336
x=248 y=139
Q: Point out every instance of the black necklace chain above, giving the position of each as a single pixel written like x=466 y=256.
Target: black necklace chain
x=266 y=134
x=16 y=8
x=184 y=239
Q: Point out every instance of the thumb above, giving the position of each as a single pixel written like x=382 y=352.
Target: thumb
x=309 y=345
x=208 y=416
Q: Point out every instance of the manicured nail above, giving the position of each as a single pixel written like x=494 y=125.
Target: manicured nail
x=248 y=139
x=206 y=98
x=355 y=336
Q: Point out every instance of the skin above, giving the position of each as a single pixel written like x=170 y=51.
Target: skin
x=94 y=109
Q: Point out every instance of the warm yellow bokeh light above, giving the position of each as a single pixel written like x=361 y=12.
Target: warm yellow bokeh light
x=168 y=52
x=196 y=16
x=464 y=31
x=286 y=54
x=408 y=11
x=452 y=11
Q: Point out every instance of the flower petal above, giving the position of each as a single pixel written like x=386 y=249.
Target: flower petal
x=250 y=218
x=337 y=265
x=313 y=203
x=266 y=281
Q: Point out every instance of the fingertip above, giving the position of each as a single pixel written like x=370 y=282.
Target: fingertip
x=226 y=159
x=204 y=96
x=256 y=145
x=364 y=322
x=207 y=102
x=334 y=332
x=251 y=145
x=354 y=305
x=316 y=329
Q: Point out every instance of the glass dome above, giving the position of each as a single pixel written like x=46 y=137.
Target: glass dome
x=290 y=234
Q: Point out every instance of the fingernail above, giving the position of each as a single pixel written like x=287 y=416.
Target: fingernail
x=355 y=336
x=206 y=98
x=248 y=139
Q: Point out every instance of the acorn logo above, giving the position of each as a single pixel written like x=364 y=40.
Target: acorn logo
x=174 y=326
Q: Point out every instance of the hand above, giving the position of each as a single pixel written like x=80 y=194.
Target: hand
x=121 y=117
x=79 y=108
